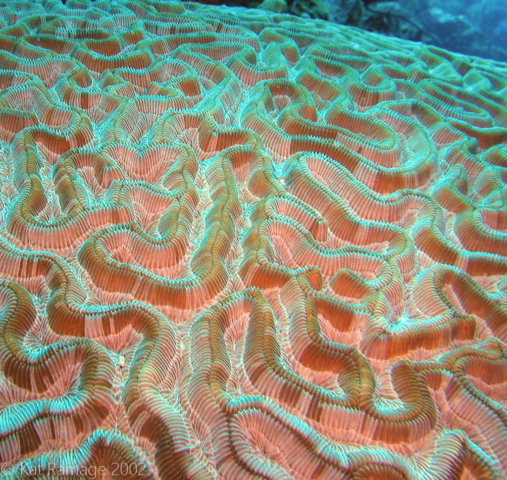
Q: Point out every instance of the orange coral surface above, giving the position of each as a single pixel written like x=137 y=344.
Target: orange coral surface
x=242 y=245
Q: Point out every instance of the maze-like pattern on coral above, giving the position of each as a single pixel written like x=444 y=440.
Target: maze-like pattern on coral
x=241 y=245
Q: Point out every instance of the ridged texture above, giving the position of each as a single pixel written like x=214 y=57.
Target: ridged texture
x=242 y=245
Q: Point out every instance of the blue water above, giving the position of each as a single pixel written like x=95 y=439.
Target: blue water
x=473 y=27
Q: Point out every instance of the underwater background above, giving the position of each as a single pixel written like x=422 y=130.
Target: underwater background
x=472 y=27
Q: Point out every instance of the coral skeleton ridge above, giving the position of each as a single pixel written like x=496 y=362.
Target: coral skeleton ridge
x=237 y=244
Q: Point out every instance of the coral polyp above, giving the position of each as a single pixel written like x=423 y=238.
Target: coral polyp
x=239 y=245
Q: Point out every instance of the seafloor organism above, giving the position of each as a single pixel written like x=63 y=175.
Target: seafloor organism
x=239 y=244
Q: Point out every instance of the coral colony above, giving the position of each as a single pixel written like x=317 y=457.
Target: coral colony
x=243 y=245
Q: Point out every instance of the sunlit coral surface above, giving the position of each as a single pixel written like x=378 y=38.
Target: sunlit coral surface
x=241 y=245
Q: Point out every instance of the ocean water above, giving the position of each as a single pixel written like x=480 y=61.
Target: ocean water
x=472 y=27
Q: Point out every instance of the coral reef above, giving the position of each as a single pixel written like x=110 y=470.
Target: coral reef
x=238 y=244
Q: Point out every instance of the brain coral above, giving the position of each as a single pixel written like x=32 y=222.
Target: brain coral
x=242 y=245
